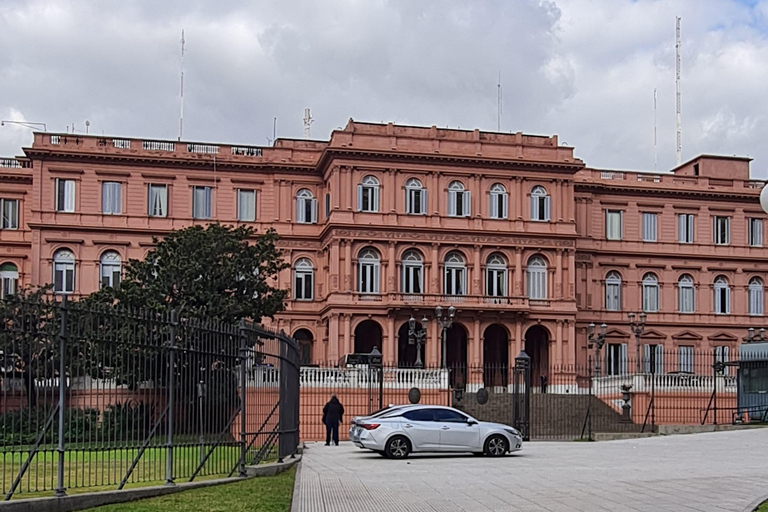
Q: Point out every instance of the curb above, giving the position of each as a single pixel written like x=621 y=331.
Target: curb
x=753 y=506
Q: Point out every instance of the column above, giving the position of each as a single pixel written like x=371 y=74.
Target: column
x=334 y=267
x=559 y=344
x=434 y=285
x=348 y=265
x=518 y=199
x=571 y=292
x=333 y=348
x=348 y=348
x=432 y=350
x=390 y=349
x=519 y=272
x=559 y=274
x=391 y=266
x=588 y=287
x=477 y=279
x=477 y=342
x=519 y=343
x=277 y=188
x=433 y=195
x=350 y=188
x=572 y=342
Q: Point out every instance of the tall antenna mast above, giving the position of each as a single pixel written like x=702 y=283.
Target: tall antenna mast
x=274 y=129
x=307 y=122
x=181 y=98
x=498 y=105
x=655 y=151
x=679 y=106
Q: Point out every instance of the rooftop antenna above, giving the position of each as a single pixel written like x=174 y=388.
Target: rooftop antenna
x=679 y=106
x=181 y=96
x=655 y=152
x=498 y=105
x=274 y=130
x=87 y=126
x=307 y=122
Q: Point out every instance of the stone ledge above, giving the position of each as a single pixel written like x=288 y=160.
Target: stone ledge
x=668 y=430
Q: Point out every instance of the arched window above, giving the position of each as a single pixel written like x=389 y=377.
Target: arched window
x=306 y=207
x=756 y=295
x=613 y=291
x=64 y=271
x=303 y=280
x=412 y=280
x=686 y=294
x=536 y=273
x=305 y=340
x=368 y=267
x=499 y=201
x=496 y=276
x=455 y=275
x=111 y=269
x=368 y=195
x=539 y=204
x=650 y=293
x=722 y=296
x=415 y=197
x=459 y=200
x=9 y=275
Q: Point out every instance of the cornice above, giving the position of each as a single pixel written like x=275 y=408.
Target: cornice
x=645 y=192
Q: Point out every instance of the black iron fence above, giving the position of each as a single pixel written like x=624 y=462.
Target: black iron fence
x=107 y=397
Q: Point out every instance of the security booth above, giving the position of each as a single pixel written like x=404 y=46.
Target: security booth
x=752 y=382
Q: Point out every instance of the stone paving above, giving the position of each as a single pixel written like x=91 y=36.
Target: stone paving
x=703 y=472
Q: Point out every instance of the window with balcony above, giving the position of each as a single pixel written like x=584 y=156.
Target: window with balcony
x=685 y=227
x=10 y=213
x=613 y=291
x=650 y=227
x=616 y=359
x=157 y=199
x=722 y=230
x=755 y=227
x=246 y=205
x=304 y=280
x=368 y=269
x=650 y=293
x=459 y=200
x=613 y=224
x=368 y=195
x=722 y=296
x=455 y=275
x=412 y=281
x=686 y=294
x=756 y=296
x=536 y=278
x=499 y=202
x=540 y=204
x=64 y=271
x=111 y=269
x=9 y=280
x=306 y=207
x=415 y=197
x=111 y=198
x=685 y=359
x=653 y=359
x=65 y=195
x=202 y=202
x=496 y=276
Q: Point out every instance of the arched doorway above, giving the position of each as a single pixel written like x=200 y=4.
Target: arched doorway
x=495 y=356
x=456 y=354
x=537 y=348
x=367 y=336
x=406 y=353
x=305 y=339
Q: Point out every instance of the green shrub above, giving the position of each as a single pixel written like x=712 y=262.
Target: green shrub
x=22 y=427
x=122 y=422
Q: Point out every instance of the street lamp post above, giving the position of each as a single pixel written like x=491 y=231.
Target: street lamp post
x=444 y=323
x=416 y=336
x=637 y=329
x=755 y=337
x=596 y=340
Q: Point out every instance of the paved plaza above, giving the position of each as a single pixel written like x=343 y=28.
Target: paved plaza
x=713 y=472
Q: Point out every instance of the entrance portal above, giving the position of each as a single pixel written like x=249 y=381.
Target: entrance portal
x=537 y=348
x=367 y=336
x=456 y=354
x=495 y=356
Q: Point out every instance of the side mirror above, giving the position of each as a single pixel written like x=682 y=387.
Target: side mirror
x=471 y=422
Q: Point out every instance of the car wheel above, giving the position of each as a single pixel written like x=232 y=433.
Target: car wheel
x=496 y=446
x=398 y=447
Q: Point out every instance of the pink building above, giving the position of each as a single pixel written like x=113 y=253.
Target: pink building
x=382 y=222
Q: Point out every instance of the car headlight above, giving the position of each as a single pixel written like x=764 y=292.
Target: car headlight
x=513 y=432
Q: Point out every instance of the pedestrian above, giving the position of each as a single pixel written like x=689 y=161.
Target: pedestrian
x=332 y=416
x=543 y=384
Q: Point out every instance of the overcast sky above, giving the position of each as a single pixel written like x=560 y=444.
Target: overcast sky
x=582 y=69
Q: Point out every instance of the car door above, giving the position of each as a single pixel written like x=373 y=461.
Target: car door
x=456 y=432
x=421 y=428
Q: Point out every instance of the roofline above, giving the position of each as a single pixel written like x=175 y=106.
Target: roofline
x=709 y=155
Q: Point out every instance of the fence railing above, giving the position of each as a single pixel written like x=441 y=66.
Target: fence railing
x=95 y=396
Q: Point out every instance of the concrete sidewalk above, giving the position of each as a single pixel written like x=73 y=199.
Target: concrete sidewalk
x=698 y=472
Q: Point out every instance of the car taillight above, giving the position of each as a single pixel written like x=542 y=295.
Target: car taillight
x=369 y=426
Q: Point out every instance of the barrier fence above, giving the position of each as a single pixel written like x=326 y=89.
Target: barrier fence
x=107 y=396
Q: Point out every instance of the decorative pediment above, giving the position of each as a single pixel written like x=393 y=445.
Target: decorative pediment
x=651 y=335
x=723 y=337
x=616 y=333
x=686 y=336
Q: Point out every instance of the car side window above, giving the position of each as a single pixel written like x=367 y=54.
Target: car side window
x=449 y=416
x=419 y=415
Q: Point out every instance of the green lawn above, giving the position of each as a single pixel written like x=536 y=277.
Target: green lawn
x=263 y=494
x=763 y=507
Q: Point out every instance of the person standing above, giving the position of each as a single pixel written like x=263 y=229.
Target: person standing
x=332 y=416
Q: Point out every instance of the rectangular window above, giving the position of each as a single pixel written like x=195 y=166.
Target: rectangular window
x=653 y=359
x=416 y=201
x=10 y=209
x=613 y=224
x=499 y=203
x=685 y=359
x=755 y=232
x=613 y=296
x=306 y=210
x=722 y=230
x=686 y=298
x=65 y=195
x=455 y=278
x=540 y=207
x=157 y=199
x=246 y=205
x=111 y=197
x=64 y=277
x=202 y=200
x=616 y=359
x=685 y=225
x=649 y=227
x=327 y=205
x=304 y=288
x=368 y=278
x=756 y=298
x=412 y=282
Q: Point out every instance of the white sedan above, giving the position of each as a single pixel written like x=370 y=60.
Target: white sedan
x=401 y=430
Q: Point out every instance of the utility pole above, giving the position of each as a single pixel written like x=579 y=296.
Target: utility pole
x=679 y=103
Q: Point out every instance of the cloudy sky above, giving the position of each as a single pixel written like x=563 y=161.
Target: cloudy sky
x=582 y=69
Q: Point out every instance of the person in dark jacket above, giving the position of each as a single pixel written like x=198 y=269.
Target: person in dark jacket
x=332 y=415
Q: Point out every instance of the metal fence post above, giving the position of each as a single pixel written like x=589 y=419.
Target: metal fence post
x=60 y=489
x=243 y=396
x=171 y=391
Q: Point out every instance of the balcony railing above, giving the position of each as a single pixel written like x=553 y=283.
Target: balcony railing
x=643 y=382
x=10 y=163
x=611 y=175
x=464 y=300
x=121 y=143
x=55 y=140
x=156 y=145
x=246 y=151
x=364 y=377
x=207 y=149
